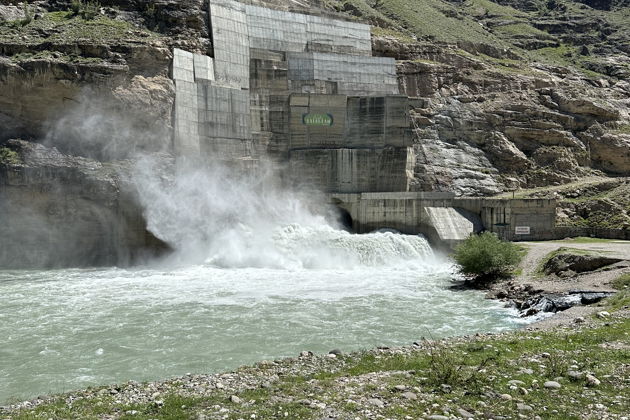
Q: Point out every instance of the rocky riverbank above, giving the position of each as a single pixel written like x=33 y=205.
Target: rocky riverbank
x=571 y=371
x=555 y=276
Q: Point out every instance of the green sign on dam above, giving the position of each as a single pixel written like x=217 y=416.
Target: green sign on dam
x=317 y=119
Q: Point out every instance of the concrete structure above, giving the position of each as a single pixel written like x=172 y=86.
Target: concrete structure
x=350 y=75
x=305 y=91
x=285 y=31
x=446 y=219
x=271 y=67
x=352 y=170
x=230 y=36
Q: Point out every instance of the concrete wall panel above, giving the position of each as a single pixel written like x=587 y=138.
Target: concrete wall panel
x=230 y=37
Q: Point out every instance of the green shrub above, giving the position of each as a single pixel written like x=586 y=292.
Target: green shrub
x=88 y=10
x=486 y=256
x=75 y=7
x=9 y=157
x=622 y=282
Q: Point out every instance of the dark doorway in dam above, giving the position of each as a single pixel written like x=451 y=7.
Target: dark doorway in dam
x=341 y=217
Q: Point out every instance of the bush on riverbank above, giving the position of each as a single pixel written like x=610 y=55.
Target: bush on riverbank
x=485 y=256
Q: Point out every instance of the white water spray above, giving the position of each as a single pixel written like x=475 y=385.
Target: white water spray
x=220 y=217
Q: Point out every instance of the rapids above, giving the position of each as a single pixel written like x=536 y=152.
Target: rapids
x=316 y=288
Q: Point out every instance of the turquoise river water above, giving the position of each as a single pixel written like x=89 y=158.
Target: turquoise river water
x=69 y=329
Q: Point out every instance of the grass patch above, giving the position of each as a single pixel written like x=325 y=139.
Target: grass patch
x=387 y=32
x=622 y=282
x=623 y=129
x=618 y=301
x=586 y=240
x=428 y=19
x=518 y=29
x=64 y=26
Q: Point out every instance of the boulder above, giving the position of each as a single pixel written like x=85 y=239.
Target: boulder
x=577 y=263
x=611 y=152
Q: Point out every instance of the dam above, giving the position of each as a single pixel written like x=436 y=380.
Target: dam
x=306 y=92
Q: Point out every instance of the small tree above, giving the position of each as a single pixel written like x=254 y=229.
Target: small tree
x=485 y=256
x=87 y=9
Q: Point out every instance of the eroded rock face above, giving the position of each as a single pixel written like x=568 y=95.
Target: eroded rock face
x=611 y=152
x=60 y=211
x=480 y=131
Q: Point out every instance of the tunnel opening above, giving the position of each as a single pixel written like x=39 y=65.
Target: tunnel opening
x=342 y=218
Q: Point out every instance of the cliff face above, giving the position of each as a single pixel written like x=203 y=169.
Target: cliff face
x=539 y=95
x=59 y=210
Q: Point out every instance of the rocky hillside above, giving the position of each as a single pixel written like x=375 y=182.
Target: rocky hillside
x=513 y=94
x=510 y=93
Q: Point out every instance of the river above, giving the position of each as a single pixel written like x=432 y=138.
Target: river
x=72 y=328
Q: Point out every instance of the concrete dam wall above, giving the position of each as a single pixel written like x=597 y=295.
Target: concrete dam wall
x=446 y=219
x=306 y=91
x=301 y=89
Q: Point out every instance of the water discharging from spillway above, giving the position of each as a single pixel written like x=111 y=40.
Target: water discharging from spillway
x=252 y=290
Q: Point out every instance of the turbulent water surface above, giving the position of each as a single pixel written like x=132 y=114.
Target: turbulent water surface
x=68 y=329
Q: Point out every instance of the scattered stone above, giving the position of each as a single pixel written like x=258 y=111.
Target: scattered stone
x=336 y=352
x=592 y=380
x=523 y=391
x=516 y=382
x=579 y=320
x=552 y=385
x=219 y=385
x=331 y=355
x=527 y=371
x=409 y=395
x=376 y=402
x=400 y=388
x=603 y=314
x=446 y=388
x=524 y=407
x=306 y=353
x=235 y=399
x=506 y=397
x=575 y=375
x=437 y=417
x=465 y=414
